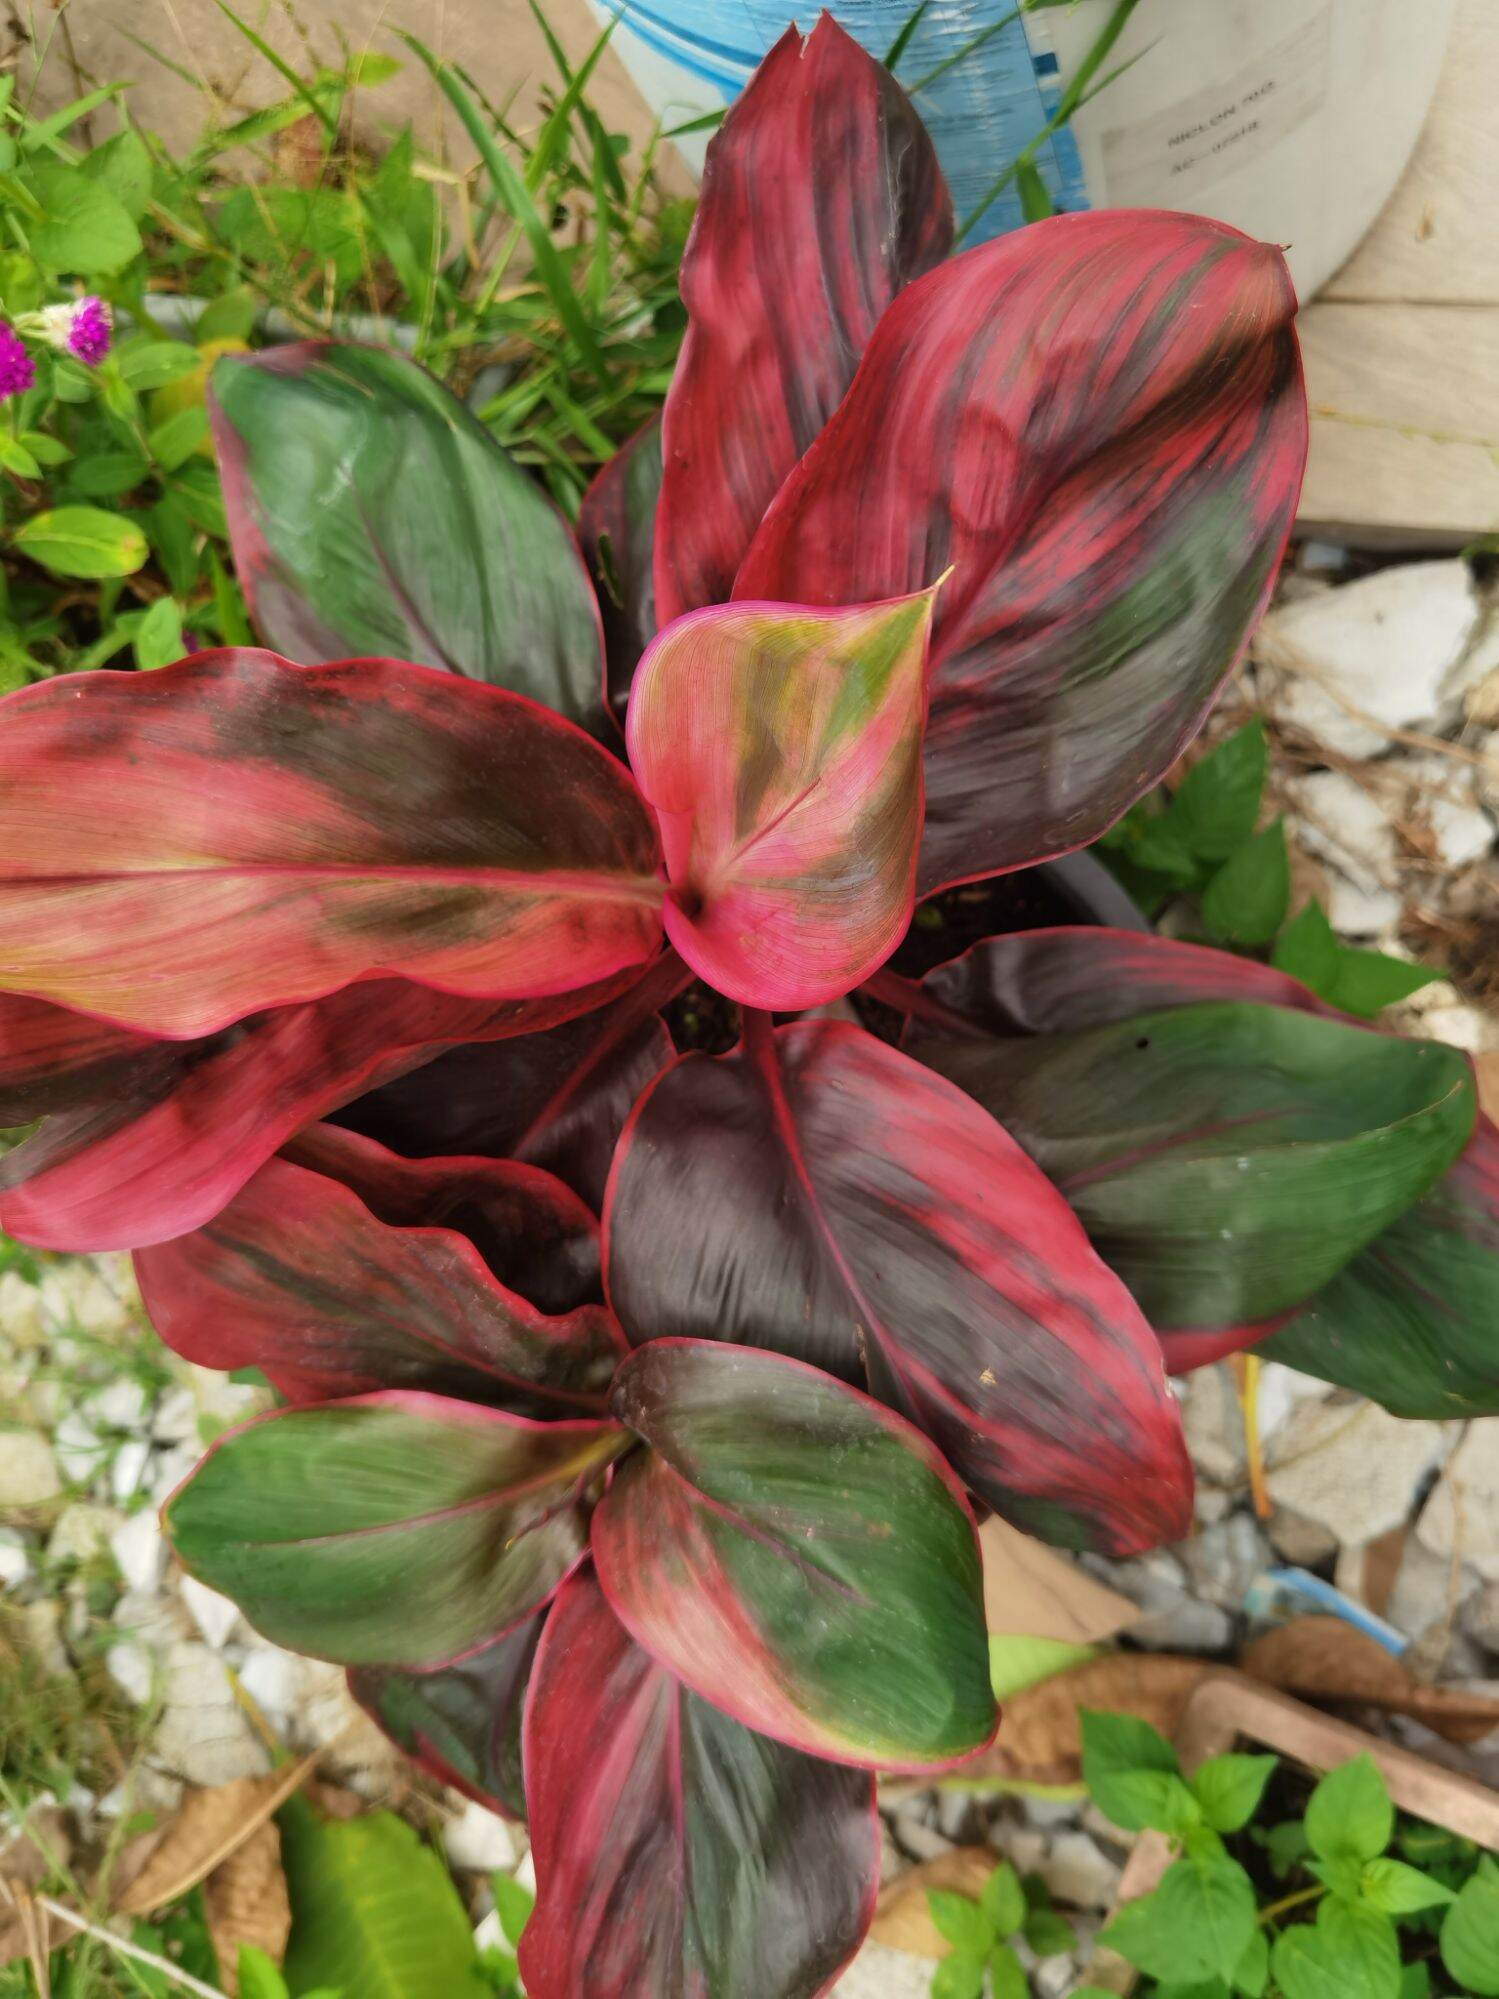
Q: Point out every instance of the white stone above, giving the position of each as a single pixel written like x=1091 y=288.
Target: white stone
x=1024 y=1846
x=1345 y=822
x=81 y=1451
x=153 y=1616
x=214 y=1615
x=20 y=1311
x=1188 y=1626
x=525 y=1871
x=41 y=1635
x=128 y=1469
x=1359 y=912
x=1225 y=1559
x=85 y=1296
x=176 y=1417
x=122 y=1404
x=274 y=1680
x=139 y=1550
x=880 y=1973
x=1481 y=1617
x=144 y=1790
x=132 y=1667
x=28 y=1469
x=82 y=1532
x=15 y=1558
x=203 y=1734
x=1352 y=1467
x=1429 y=1590
x=1282 y=1391
x=1474 y=681
x=1444 y=789
x=1213 y=1426
x=1462 y=1516
x=920 y=1840
x=1388 y=644
x=1301 y=1542
x=170 y=1469
x=479 y=1839
x=1080 y=1873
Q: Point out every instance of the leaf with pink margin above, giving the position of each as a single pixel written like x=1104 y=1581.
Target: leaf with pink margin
x=1099 y=424
x=534 y=1233
x=798 y=1555
x=781 y=751
x=156 y=1146
x=461 y=1723
x=617 y=529
x=557 y=1098
x=821 y=1194
x=821 y=198
x=394 y=1529
x=298 y=1278
x=676 y=1850
x=379 y=818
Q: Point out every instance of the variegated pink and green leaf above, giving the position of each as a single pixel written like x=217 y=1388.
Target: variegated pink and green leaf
x=821 y=198
x=298 y=1278
x=781 y=751
x=820 y=1193
x=798 y=1555
x=1226 y=1158
x=461 y=1723
x=181 y=848
x=371 y=512
x=1099 y=424
x=397 y=1529
x=677 y=1851
x=534 y=1233
x=148 y=1139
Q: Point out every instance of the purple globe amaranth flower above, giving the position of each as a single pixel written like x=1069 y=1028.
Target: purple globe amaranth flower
x=90 y=331
x=17 y=369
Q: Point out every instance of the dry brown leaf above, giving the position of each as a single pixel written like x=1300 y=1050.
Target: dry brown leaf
x=25 y=1865
x=1488 y=1082
x=245 y=1901
x=1040 y=1740
x=1031 y=1591
x=210 y=1827
x=902 y=1919
x=1325 y=1659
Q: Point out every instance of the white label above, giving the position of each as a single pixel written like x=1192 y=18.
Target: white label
x=1164 y=160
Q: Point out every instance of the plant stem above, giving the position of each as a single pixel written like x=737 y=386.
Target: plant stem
x=1246 y=1368
x=909 y=997
x=1296 y=1901
x=164 y=1965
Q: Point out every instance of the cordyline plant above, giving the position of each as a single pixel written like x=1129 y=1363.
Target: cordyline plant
x=639 y=1400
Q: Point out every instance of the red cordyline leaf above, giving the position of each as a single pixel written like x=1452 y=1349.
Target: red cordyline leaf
x=138 y=1152
x=677 y=1851
x=394 y=1529
x=298 y=1278
x=781 y=751
x=821 y=198
x=1099 y=424
x=822 y=1194
x=840 y=1615
x=461 y=1723
x=617 y=528
x=534 y=1233
x=557 y=1098
x=180 y=848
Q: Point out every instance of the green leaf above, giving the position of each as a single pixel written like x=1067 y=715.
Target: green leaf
x=402 y=1530
x=1007 y=1979
x=123 y=166
x=151 y=364
x=1252 y=1972
x=1308 y=949
x=1246 y=901
x=962 y=1922
x=1207 y=1902
x=513 y=1903
x=1366 y=981
x=1415 y=1981
x=107 y=475
x=1311 y=1962
x=1343 y=1876
x=82 y=541
x=1017 y=1662
x=1398 y=1890
x=231 y=316
x=1365 y=1945
x=1118 y=1751
x=1286 y=1844
x=1036 y=203
x=158 y=636
x=44 y=449
x=258 y=1976
x=14 y=457
x=1002 y=1900
x=960 y=1976
x=85 y=228
x=177 y=437
x=1229 y=1789
x=1047 y=1933
x=1218 y=801
x=1470 y=1933
x=1141 y=1933
x=373 y=1911
x=1349 y=1815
